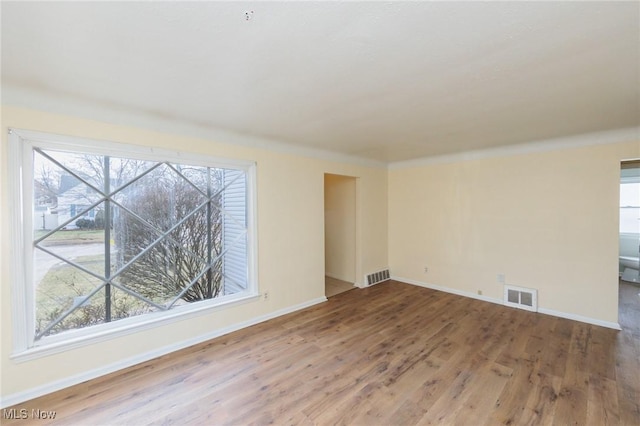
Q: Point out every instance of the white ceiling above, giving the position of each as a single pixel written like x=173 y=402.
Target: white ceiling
x=386 y=81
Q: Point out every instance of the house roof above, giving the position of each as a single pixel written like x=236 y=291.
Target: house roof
x=67 y=182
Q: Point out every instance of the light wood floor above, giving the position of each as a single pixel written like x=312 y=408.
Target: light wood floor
x=389 y=354
x=334 y=286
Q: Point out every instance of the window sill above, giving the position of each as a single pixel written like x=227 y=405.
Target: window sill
x=127 y=326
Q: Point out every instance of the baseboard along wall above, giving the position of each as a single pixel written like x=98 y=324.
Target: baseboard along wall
x=552 y=312
x=57 y=385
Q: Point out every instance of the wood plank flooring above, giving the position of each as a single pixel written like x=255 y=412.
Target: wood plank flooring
x=333 y=286
x=391 y=354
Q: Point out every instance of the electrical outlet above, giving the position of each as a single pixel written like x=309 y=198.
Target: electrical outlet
x=426 y=269
x=479 y=292
x=501 y=278
x=266 y=295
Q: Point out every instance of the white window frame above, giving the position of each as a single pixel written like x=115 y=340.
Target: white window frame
x=20 y=169
x=631 y=180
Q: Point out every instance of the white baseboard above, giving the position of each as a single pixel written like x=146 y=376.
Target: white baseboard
x=448 y=290
x=57 y=385
x=335 y=276
x=575 y=317
x=580 y=318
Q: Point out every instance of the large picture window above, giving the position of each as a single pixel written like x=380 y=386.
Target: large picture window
x=119 y=232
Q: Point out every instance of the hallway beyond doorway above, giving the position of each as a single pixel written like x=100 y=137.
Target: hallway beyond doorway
x=333 y=286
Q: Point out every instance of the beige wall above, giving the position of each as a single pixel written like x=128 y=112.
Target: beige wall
x=290 y=217
x=546 y=220
x=340 y=227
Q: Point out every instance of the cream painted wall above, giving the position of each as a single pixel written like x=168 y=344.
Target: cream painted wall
x=547 y=220
x=340 y=227
x=290 y=237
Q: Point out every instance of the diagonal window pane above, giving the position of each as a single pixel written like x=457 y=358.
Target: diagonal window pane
x=60 y=287
x=196 y=175
x=125 y=305
x=61 y=197
x=81 y=243
x=83 y=248
x=124 y=170
x=162 y=198
x=130 y=236
x=163 y=272
x=89 y=168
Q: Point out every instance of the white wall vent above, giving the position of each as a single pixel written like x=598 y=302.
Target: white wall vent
x=376 y=277
x=522 y=298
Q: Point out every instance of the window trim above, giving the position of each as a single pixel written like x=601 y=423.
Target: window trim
x=20 y=146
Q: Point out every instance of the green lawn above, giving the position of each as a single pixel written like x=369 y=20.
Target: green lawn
x=72 y=236
x=55 y=295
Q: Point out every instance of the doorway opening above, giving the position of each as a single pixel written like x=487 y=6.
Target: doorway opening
x=339 y=233
x=629 y=244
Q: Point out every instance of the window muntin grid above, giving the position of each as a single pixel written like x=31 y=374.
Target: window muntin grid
x=167 y=234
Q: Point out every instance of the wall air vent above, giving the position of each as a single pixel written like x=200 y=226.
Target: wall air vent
x=376 y=277
x=522 y=298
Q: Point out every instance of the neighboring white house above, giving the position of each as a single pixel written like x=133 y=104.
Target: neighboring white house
x=44 y=218
x=73 y=198
x=234 y=234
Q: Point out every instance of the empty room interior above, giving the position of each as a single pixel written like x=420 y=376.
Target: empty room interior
x=314 y=213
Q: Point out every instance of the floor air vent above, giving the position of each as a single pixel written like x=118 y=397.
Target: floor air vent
x=377 y=277
x=519 y=297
